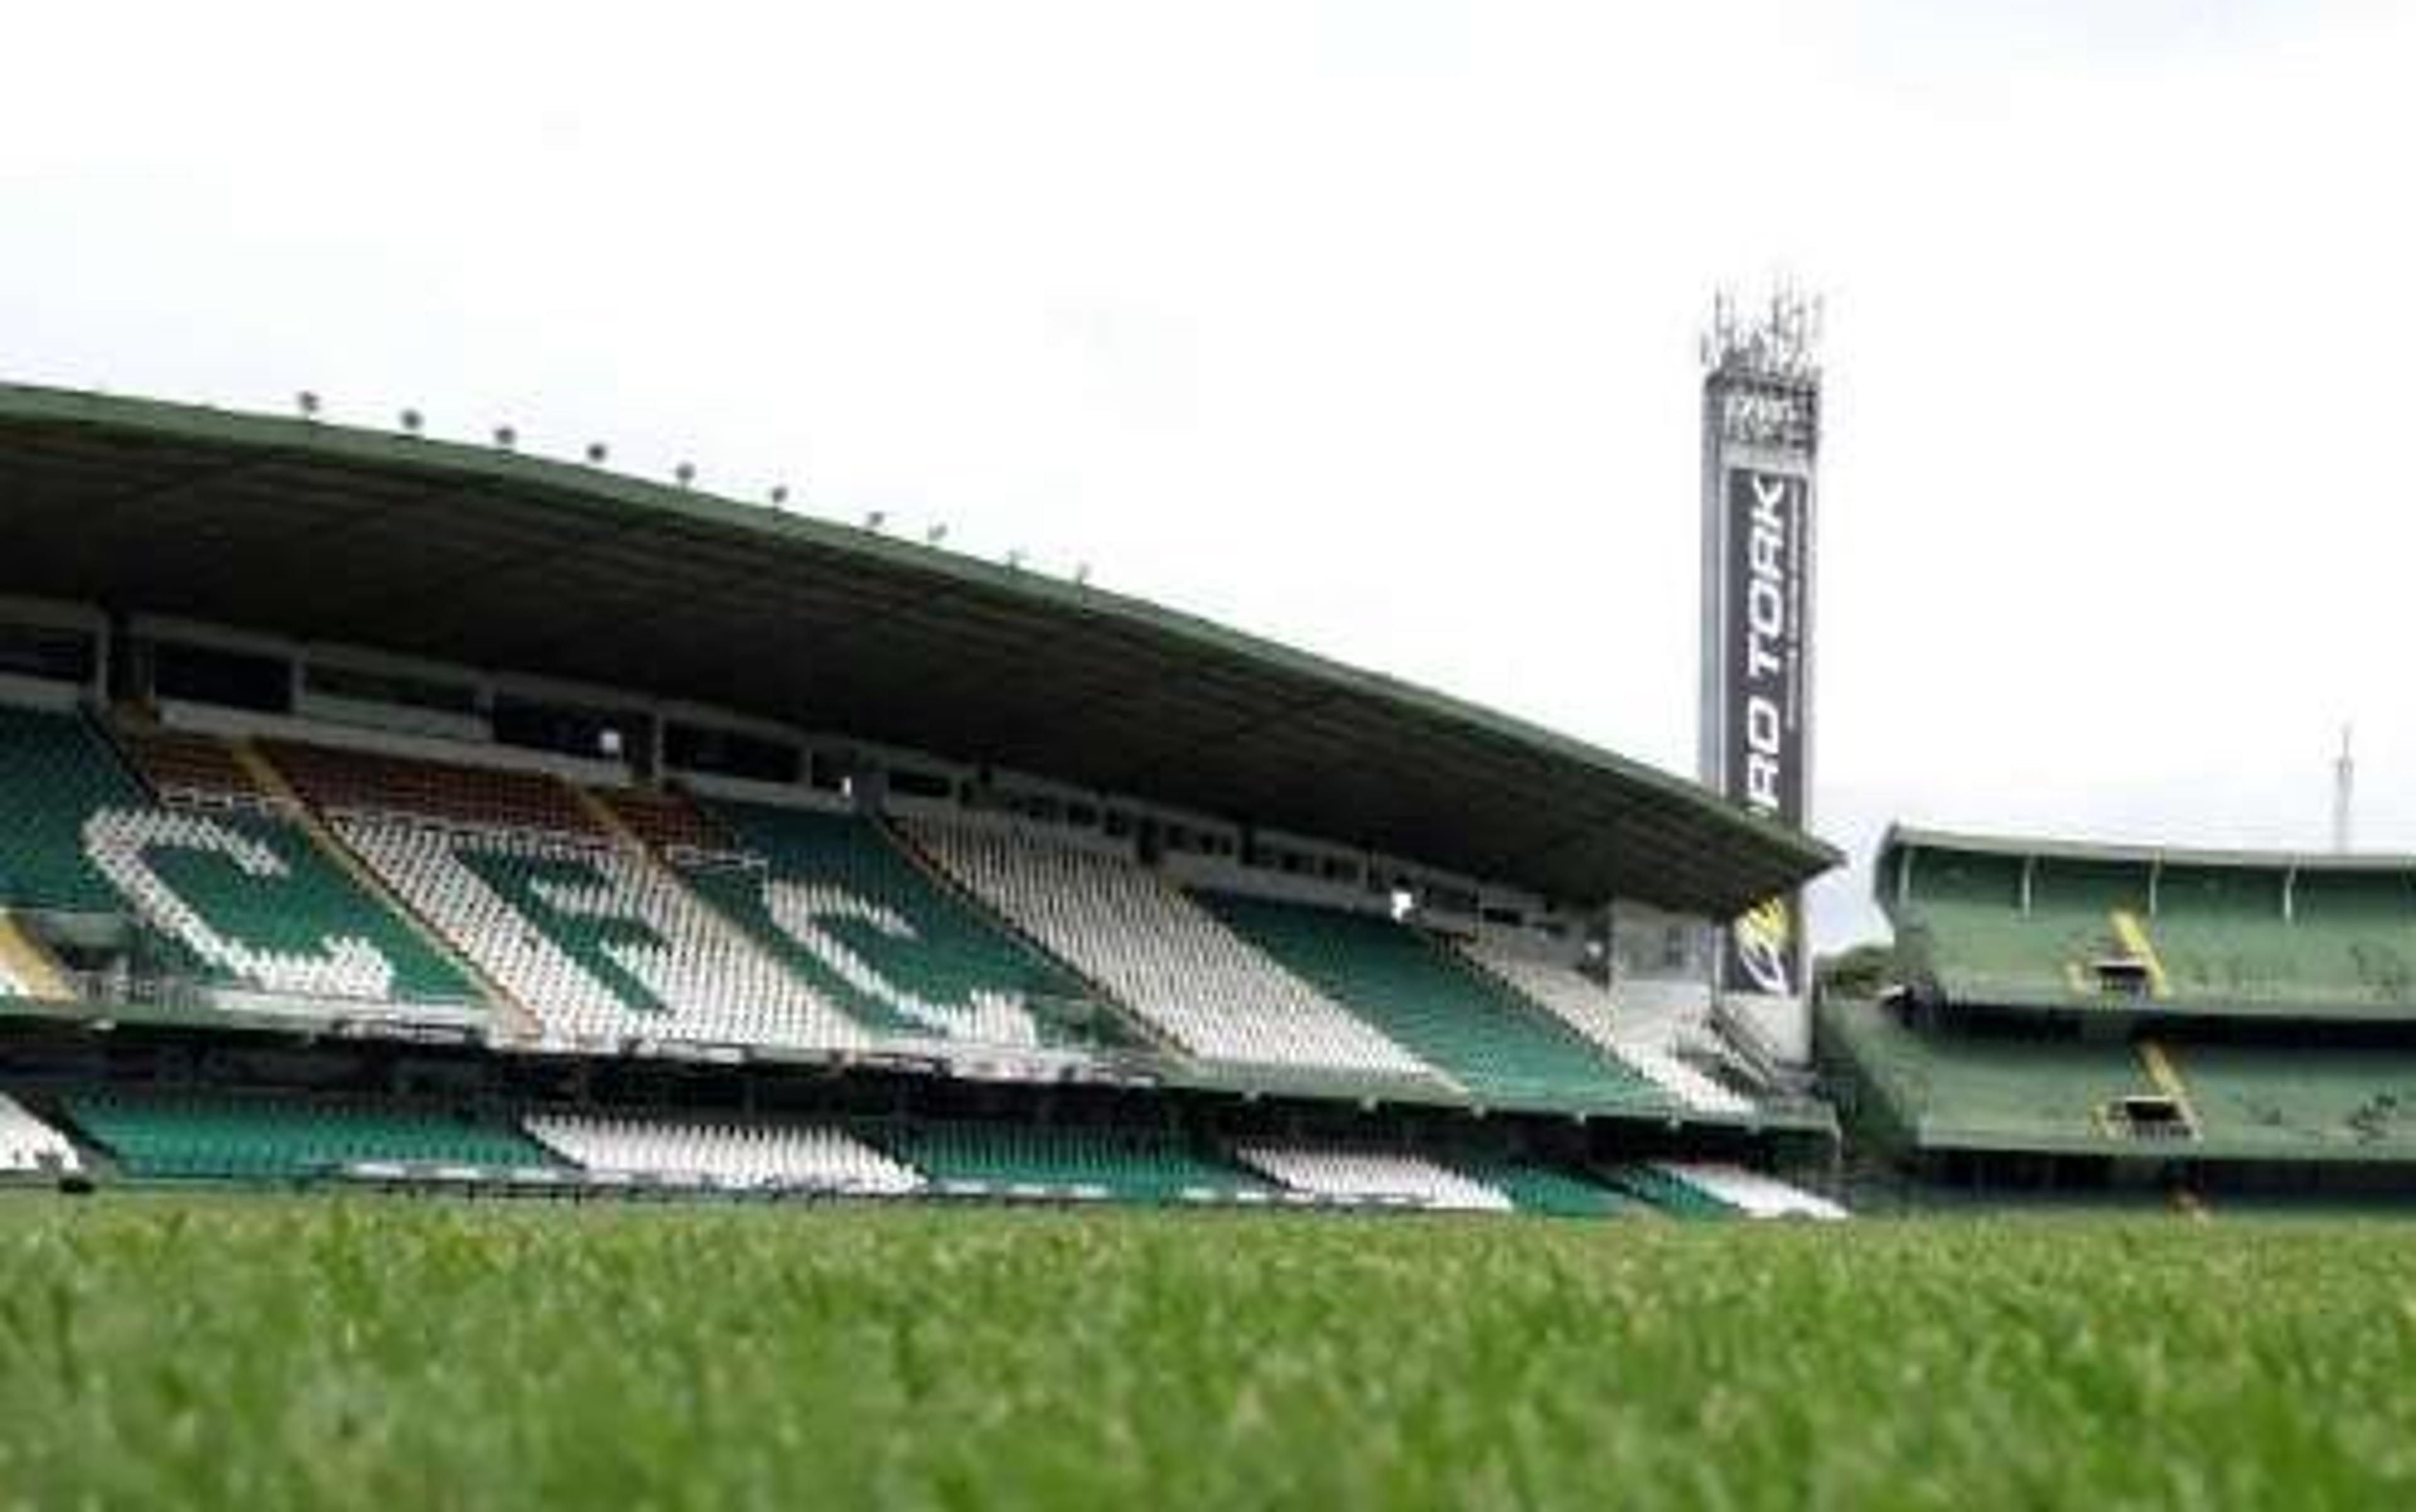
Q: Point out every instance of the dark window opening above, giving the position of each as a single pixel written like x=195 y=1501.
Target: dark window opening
x=401 y=689
x=51 y=652
x=230 y=679
x=691 y=747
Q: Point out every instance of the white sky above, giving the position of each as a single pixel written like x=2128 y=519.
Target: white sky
x=1370 y=327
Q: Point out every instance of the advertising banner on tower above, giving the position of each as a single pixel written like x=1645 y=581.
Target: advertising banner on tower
x=1766 y=610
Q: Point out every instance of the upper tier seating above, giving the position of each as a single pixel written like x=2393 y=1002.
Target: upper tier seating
x=55 y=772
x=751 y=1156
x=670 y=822
x=2350 y=942
x=29 y=1146
x=230 y=1136
x=350 y=780
x=1162 y=956
x=1950 y=1086
x=1585 y=1005
x=2292 y=1100
x=181 y=764
x=236 y=897
x=1475 y=1030
x=1130 y=1164
x=2192 y=935
x=250 y=900
x=1967 y=922
x=595 y=941
x=1372 y=1176
x=1750 y=1192
x=848 y=912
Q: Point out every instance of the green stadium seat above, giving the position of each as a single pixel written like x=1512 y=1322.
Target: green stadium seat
x=1124 y=1163
x=838 y=902
x=227 y=1136
x=1943 y=1087
x=55 y=773
x=1504 y=1049
x=1538 y=1186
x=233 y=893
x=2300 y=1101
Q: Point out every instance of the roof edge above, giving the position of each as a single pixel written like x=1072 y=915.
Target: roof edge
x=1900 y=837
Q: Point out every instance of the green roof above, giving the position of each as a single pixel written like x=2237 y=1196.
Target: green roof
x=1907 y=837
x=489 y=557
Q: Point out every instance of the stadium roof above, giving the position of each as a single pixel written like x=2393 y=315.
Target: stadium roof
x=488 y=557
x=1905 y=837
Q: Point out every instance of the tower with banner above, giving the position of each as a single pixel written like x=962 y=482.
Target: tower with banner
x=1761 y=447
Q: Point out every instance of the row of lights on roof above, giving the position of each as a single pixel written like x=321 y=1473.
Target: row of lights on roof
x=507 y=439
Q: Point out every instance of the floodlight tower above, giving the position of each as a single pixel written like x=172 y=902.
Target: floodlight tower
x=1762 y=442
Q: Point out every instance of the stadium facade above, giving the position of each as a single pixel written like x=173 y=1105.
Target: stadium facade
x=378 y=808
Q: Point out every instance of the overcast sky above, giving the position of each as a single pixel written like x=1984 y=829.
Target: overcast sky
x=1371 y=326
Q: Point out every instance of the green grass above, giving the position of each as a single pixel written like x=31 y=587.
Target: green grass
x=266 y=1353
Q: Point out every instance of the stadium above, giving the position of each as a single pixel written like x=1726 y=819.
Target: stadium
x=384 y=810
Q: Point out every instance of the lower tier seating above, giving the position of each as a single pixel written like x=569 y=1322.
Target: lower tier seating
x=1472 y=1029
x=1666 y=1193
x=2299 y=1099
x=1749 y=1192
x=1585 y=1007
x=598 y=942
x=237 y=1137
x=1161 y=955
x=764 y=1155
x=1534 y=1186
x=1128 y=1164
x=28 y=1146
x=1372 y=1176
x=841 y=906
x=1948 y=1086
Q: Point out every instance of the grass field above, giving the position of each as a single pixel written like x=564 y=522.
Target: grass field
x=394 y=1354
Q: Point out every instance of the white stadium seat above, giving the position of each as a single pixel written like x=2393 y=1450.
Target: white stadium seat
x=1161 y=955
x=587 y=910
x=738 y=1156
x=28 y=1145
x=1372 y=1176
x=1587 y=1007
x=1750 y=1192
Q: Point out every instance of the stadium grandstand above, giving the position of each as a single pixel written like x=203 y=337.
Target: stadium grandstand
x=2184 y=1023
x=377 y=808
